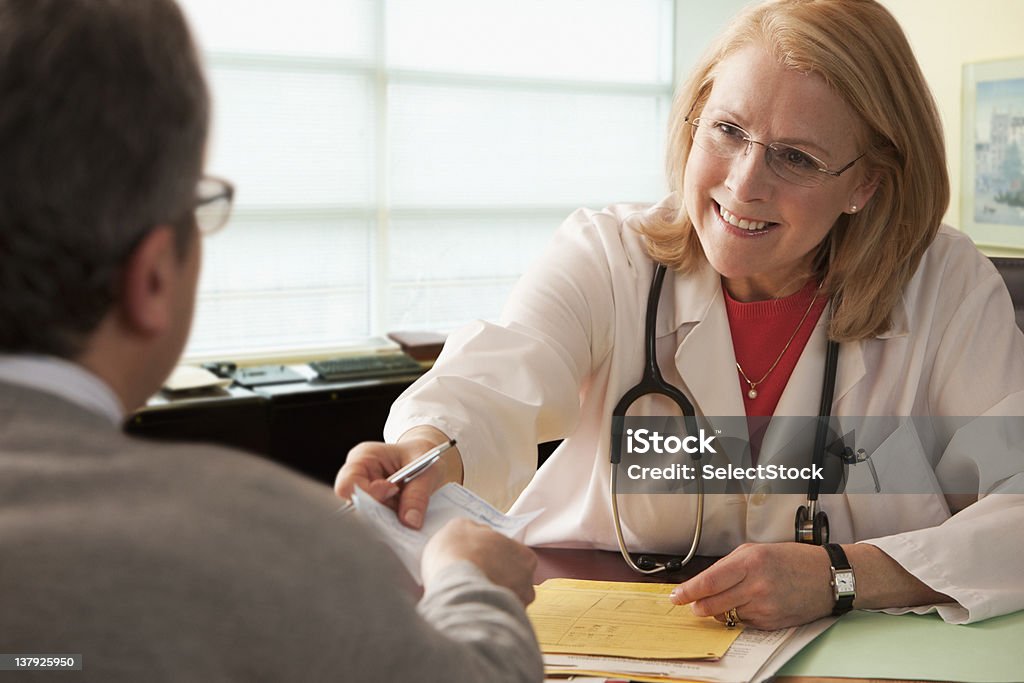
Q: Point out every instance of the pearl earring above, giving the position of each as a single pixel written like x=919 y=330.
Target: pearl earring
x=853 y=208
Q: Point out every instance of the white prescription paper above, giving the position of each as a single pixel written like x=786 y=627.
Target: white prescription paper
x=448 y=502
x=754 y=656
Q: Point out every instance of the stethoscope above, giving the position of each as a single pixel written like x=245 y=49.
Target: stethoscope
x=811 y=524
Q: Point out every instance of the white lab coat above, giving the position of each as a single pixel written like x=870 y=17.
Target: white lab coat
x=570 y=343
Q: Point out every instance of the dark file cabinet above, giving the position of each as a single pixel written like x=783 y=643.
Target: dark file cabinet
x=306 y=426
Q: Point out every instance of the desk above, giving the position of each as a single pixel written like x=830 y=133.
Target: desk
x=564 y=563
x=988 y=643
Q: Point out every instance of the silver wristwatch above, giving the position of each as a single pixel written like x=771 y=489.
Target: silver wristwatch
x=844 y=585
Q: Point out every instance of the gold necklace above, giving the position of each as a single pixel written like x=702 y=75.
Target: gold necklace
x=752 y=393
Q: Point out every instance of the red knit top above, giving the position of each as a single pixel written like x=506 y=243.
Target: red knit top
x=760 y=330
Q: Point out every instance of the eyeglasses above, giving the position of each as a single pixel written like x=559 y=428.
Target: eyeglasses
x=727 y=140
x=213 y=204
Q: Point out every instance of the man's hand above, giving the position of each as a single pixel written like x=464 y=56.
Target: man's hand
x=770 y=585
x=505 y=562
x=370 y=463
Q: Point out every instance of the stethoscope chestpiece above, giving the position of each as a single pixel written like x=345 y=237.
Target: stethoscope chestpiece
x=811 y=524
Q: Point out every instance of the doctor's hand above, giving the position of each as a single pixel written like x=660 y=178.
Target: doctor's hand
x=770 y=585
x=505 y=562
x=370 y=463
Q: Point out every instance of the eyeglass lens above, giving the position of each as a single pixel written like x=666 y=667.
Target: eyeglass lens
x=213 y=204
x=729 y=141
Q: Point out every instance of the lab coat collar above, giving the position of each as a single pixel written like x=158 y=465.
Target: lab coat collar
x=705 y=358
x=697 y=313
x=694 y=294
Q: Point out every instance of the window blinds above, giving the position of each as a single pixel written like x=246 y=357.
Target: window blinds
x=399 y=163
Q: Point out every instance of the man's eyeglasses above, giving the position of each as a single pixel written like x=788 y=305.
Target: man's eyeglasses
x=728 y=141
x=213 y=204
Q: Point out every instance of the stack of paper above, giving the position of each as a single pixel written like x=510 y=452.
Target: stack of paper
x=601 y=628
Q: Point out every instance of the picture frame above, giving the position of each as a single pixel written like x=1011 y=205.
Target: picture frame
x=992 y=185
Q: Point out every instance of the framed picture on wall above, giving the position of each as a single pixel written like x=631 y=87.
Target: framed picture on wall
x=992 y=190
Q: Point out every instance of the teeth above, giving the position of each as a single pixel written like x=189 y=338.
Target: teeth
x=742 y=223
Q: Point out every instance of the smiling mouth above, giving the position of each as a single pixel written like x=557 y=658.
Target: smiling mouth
x=745 y=224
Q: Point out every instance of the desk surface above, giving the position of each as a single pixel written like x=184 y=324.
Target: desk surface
x=604 y=565
x=564 y=563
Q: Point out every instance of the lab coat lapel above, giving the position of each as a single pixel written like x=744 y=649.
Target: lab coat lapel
x=802 y=395
x=705 y=357
x=700 y=320
x=706 y=351
x=852 y=367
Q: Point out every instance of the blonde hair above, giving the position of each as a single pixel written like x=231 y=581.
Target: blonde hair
x=862 y=54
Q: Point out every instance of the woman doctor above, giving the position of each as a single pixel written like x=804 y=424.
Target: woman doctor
x=809 y=178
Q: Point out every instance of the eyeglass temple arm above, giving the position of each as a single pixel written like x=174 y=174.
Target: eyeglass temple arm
x=844 y=169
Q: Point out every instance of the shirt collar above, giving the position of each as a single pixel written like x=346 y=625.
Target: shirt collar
x=65 y=379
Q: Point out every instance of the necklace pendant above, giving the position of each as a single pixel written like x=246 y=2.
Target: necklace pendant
x=752 y=394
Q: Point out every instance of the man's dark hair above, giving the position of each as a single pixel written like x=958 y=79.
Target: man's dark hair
x=103 y=121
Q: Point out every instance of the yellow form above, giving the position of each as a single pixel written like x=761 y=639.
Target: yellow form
x=617 y=619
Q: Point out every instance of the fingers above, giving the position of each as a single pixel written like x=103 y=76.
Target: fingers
x=381 y=490
x=367 y=462
x=717 y=579
x=412 y=505
x=717 y=590
x=505 y=562
x=717 y=605
x=415 y=497
x=770 y=585
x=526 y=594
x=369 y=465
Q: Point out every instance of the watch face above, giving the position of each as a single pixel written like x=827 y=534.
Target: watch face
x=845 y=582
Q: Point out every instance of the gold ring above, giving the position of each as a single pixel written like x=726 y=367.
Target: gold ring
x=731 y=618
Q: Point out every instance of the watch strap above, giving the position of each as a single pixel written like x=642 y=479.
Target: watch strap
x=840 y=563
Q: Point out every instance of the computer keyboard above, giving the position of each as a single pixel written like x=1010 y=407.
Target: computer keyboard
x=360 y=367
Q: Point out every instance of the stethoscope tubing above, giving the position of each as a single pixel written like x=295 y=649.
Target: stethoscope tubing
x=658 y=567
x=652 y=382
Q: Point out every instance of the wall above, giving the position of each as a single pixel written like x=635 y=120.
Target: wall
x=946 y=34
x=697 y=22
